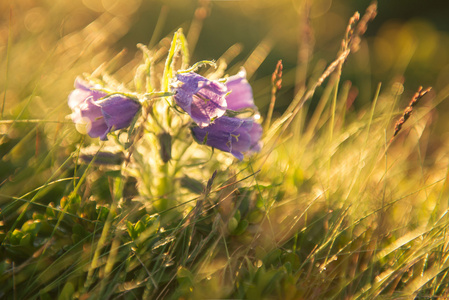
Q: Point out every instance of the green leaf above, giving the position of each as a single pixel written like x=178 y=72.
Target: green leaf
x=31 y=227
x=44 y=296
x=266 y=280
x=16 y=236
x=255 y=216
x=102 y=212
x=273 y=257
x=139 y=227
x=184 y=276
x=237 y=215
x=293 y=259
x=38 y=216
x=49 y=211
x=192 y=185
x=241 y=227
x=131 y=231
x=26 y=240
x=168 y=69
x=64 y=201
x=67 y=292
x=90 y=210
x=232 y=225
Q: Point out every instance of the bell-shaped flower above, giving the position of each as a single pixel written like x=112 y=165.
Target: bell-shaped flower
x=240 y=94
x=201 y=98
x=98 y=114
x=82 y=91
x=230 y=135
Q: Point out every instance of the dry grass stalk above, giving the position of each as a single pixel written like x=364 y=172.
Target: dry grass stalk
x=343 y=55
x=409 y=110
x=350 y=31
x=349 y=44
x=201 y=13
x=362 y=26
x=276 y=84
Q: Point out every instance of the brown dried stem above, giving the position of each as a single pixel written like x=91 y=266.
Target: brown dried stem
x=276 y=84
x=347 y=46
x=350 y=43
x=362 y=26
x=409 y=110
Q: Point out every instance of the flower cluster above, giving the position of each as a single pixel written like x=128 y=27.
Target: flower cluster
x=98 y=112
x=206 y=102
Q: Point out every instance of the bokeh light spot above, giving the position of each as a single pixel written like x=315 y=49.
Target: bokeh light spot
x=35 y=19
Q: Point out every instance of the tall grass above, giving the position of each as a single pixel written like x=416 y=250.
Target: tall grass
x=337 y=205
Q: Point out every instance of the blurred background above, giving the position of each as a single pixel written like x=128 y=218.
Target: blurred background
x=45 y=44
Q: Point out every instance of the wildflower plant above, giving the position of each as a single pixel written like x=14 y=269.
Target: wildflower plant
x=100 y=110
x=154 y=139
x=154 y=123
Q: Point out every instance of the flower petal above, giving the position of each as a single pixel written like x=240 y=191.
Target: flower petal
x=91 y=113
x=82 y=91
x=230 y=135
x=201 y=98
x=96 y=114
x=118 y=111
x=241 y=94
x=77 y=97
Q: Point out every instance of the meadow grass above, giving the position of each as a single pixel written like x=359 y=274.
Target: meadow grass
x=340 y=203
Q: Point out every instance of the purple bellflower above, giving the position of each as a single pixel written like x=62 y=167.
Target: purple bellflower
x=100 y=113
x=201 y=98
x=230 y=135
x=82 y=91
x=241 y=94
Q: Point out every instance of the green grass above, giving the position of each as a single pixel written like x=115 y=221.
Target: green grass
x=332 y=207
